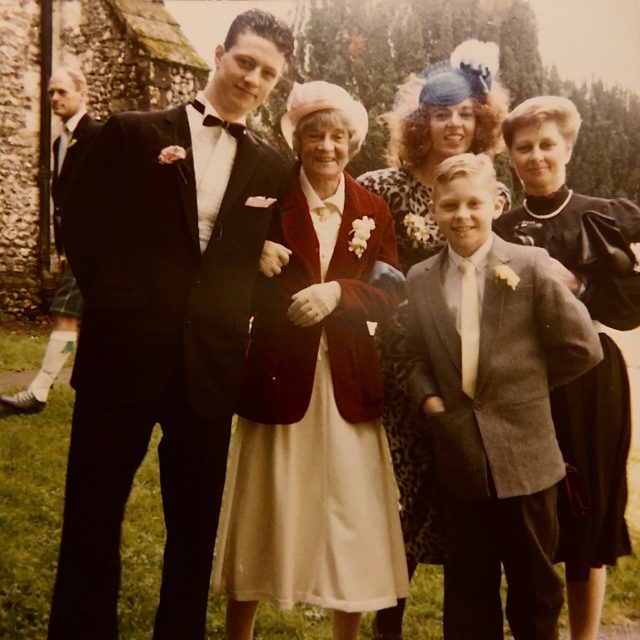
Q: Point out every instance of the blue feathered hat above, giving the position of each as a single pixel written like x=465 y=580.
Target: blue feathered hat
x=468 y=72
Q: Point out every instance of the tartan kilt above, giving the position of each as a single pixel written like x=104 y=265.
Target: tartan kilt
x=68 y=299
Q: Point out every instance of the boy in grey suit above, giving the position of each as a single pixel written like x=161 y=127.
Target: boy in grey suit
x=491 y=328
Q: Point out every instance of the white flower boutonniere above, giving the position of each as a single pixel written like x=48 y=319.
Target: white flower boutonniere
x=361 y=231
x=635 y=249
x=171 y=154
x=507 y=275
x=417 y=230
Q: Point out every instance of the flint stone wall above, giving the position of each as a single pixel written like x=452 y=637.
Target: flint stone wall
x=134 y=56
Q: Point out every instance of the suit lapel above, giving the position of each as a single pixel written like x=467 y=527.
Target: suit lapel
x=494 y=292
x=297 y=229
x=244 y=165
x=70 y=155
x=176 y=131
x=433 y=297
x=341 y=255
x=56 y=146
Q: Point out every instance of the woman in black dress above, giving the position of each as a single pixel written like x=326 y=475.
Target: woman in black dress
x=592 y=414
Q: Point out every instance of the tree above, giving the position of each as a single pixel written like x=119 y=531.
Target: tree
x=521 y=65
x=370 y=47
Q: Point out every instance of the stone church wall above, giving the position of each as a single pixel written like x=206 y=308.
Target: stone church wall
x=134 y=57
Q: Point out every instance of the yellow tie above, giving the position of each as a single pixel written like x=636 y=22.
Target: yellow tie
x=469 y=327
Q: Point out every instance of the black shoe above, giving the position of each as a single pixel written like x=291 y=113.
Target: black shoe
x=22 y=402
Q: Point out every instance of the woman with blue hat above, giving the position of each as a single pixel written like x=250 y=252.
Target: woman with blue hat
x=453 y=106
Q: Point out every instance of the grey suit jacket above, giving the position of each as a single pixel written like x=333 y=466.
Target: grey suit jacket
x=532 y=337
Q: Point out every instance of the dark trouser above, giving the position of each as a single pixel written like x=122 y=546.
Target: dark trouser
x=108 y=444
x=519 y=534
x=389 y=621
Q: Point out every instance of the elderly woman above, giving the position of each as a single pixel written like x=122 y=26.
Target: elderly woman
x=310 y=512
x=451 y=107
x=592 y=414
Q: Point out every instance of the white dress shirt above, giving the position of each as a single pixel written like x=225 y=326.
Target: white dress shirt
x=452 y=277
x=66 y=135
x=326 y=216
x=214 y=151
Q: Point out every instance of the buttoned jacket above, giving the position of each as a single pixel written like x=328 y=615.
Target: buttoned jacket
x=534 y=334
x=282 y=356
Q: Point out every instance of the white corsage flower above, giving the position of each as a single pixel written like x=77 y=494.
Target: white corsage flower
x=171 y=154
x=361 y=231
x=417 y=230
x=507 y=275
x=635 y=249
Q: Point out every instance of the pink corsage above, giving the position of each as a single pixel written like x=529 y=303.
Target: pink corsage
x=172 y=154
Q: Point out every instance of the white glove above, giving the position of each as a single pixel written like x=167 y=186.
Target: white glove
x=274 y=257
x=314 y=303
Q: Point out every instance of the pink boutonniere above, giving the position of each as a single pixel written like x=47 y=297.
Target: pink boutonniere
x=172 y=154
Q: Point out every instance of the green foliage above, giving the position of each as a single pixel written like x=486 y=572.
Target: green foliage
x=521 y=68
x=371 y=46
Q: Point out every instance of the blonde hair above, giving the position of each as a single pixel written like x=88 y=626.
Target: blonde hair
x=541 y=109
x=464 y=165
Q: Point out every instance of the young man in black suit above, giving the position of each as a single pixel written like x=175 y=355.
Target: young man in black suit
x=165 y=235
x=68 y=99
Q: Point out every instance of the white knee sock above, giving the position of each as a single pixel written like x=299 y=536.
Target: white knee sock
x=60 y=345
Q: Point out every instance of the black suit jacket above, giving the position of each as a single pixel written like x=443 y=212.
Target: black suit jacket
x=83 y=137
x=154 y=305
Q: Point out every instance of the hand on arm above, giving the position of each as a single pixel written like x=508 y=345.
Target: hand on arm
x=274 y=257
x=568 y=278
x=314 y=303
x=433 y=404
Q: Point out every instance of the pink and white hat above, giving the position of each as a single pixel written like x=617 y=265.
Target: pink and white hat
x=317 y=95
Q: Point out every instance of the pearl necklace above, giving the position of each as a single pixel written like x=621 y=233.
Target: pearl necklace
x=555 y=212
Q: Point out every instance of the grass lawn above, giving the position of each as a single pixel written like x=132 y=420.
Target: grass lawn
x=33 y=453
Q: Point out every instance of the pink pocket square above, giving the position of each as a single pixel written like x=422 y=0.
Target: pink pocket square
x=259 y=201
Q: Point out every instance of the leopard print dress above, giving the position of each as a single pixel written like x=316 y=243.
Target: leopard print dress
x=413 y=463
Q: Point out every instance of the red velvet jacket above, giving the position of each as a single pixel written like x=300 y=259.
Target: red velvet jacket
x=282 y=357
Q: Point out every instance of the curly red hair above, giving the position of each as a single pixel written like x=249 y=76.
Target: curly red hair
x=410 y=135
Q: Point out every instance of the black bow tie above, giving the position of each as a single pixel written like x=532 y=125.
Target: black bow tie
x=236 y=129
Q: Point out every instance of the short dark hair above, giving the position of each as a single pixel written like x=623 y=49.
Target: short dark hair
x=265 y=25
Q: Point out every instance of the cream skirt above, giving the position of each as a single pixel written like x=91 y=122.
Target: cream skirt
x=310 y=512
